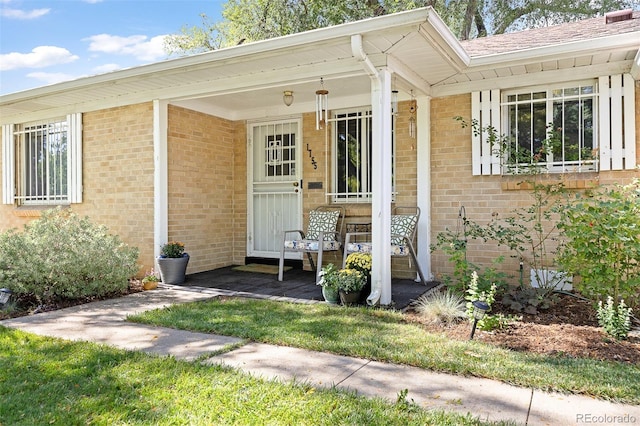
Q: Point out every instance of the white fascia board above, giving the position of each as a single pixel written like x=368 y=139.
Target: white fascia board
x=264 y=47
x=441 y=37
x=635 y=67
x=560 y=51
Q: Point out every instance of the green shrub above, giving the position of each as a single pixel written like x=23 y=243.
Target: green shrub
x=603 y=247
x=497 y=321
x=64 y=256
x=616 y=320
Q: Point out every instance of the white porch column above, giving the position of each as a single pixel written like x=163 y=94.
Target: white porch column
x=160 y=175
x=423 y=148
x=381 y=186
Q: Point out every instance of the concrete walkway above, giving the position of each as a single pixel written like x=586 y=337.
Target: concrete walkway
x=104 y=322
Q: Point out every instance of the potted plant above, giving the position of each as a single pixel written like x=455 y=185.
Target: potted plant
x=329 y=283
x=172 y=263
x=361 y=262
x=351 y=283
x=150 y=281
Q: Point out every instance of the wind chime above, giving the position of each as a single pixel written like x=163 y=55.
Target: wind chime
x=322 y=106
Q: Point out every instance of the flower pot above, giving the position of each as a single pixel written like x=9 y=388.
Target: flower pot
x=173 y=269
x=349 y=298
x=330 y=295
x=149 y=285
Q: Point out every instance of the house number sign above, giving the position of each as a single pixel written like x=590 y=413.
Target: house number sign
x=313 y=159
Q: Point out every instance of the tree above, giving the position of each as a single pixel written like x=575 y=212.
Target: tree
x=252 y=20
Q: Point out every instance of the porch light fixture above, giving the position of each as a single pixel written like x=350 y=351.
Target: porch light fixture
x=5 y=295
x=287 y=98
x=322 y=106
x=394 y=102
x=480 y=308
x=412 y=119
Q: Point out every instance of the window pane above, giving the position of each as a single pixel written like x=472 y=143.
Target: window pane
x=553 y=129
x=539 y=128
x=44 y=150
x=353 y=145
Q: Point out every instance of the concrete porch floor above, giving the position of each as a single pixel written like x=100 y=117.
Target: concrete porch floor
x=296 y=283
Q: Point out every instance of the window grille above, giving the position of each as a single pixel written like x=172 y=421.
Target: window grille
x=552 y=129
x=42 y=162
x=353 y=150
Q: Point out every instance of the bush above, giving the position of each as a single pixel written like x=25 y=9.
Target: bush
x=64 y=256
x=603 y=247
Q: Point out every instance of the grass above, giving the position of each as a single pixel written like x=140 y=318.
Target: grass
x=384 y=336
x=46 y=381
x=441 y=307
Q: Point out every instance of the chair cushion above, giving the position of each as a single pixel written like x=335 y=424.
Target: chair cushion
x=311 y=245
x=402 y=224
x=396 y=249
x=325 y=221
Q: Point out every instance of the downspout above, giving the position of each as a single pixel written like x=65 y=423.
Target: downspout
x=358 y=52
x=360 y=55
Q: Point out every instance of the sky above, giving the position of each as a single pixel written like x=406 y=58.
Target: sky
x=45 y=42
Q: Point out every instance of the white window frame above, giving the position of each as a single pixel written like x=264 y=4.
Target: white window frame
x=364 y=117
x=614 y=126
x=548 y=97
x=17 y=148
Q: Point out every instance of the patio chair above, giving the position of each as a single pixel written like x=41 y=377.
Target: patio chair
x=403 y=231
x=324 y=233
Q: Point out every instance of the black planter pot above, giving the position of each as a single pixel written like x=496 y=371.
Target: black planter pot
x=173 y=269
x=349 y=298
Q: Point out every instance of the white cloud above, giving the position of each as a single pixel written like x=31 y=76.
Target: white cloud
x=106 y=68
x=51 y=77
x=138 y=46
x=23 y=14
x=39 y=57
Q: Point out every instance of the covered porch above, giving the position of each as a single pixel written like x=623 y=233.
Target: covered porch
x=298 y=284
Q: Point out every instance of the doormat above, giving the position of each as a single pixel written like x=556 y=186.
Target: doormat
x=259 y=268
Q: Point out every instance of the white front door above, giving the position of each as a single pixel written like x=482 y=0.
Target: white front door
x=275 y=185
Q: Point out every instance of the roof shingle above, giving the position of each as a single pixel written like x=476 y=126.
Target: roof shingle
x=587 y=29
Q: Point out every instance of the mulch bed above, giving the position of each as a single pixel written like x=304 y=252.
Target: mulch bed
x=569 y=328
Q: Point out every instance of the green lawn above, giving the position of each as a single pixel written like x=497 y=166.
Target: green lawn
x=46 y=381
x=384 y=336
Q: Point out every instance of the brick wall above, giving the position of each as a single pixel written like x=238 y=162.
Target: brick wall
x=239 y=192
x=483 y=197
x=117 y=169
x=201 y=161
x=117 y=177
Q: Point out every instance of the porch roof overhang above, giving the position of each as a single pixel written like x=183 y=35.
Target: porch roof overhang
x=572 y=60
x=248 y=81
